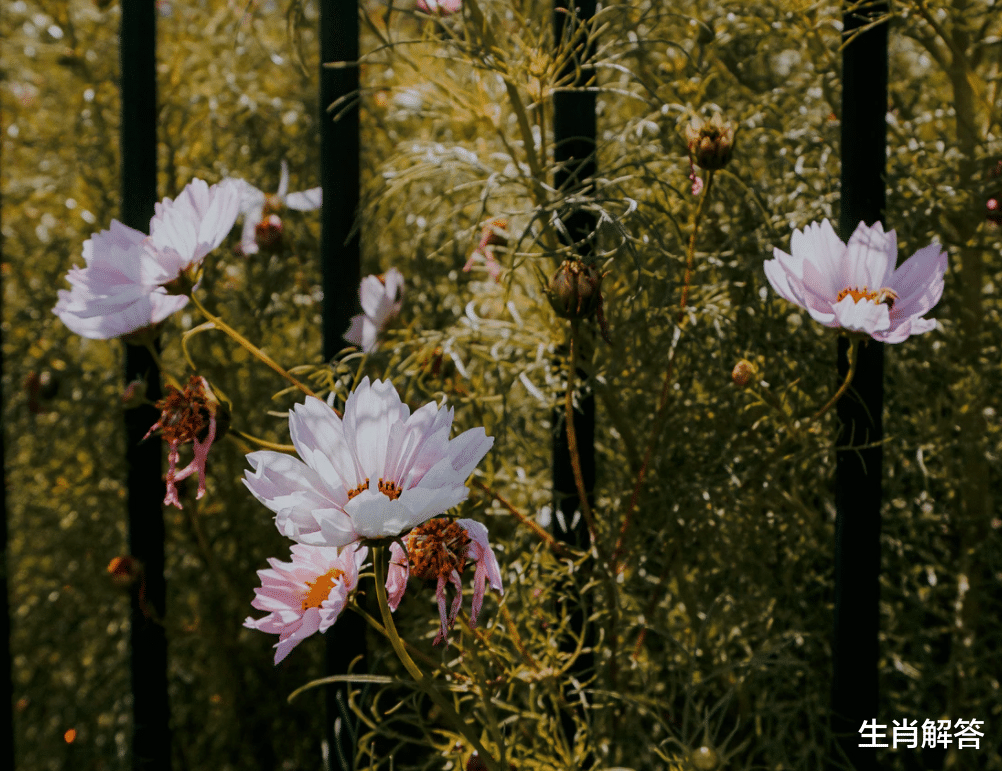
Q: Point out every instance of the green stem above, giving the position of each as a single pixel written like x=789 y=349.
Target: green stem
x=250 y=347
x=380 y=557
x=617 y=551
x=691 y=253
x=572 y=436
x=853 y=360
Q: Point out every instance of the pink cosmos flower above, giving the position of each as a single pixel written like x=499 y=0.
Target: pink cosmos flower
x=494 y=233
x=258 y=208
x=306 y=595
x=375 y=473
x=440 y=7
x=381 y=298
x=438 y=550
x=855 y=286
x=130 y=281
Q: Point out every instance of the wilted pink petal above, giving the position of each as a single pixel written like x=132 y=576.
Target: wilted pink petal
x=855 y=286
x=306 y=595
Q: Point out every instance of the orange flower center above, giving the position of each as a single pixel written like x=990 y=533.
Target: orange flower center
x=320 y=589
x=885 y=295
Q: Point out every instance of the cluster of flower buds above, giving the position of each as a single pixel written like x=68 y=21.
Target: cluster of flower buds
x=710 y=142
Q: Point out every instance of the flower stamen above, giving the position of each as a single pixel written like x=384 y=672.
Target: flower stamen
x=389 y=489
x=321 y=588
x=358 y=490
x=884 y=295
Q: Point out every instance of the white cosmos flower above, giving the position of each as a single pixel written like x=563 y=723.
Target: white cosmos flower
x=375 y=473
x=256 y=205
x=131 y=281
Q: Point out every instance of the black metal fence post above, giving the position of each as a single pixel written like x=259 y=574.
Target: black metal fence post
x=574 y=131
x=6 y=677
x=341 y=274
x=151 y=712
x=858 y=467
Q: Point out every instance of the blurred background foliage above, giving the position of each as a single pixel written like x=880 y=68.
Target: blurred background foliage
x=714 y=641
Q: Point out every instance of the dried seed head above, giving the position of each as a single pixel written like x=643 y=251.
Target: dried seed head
x=575 y=290
x=710 y=141
x=437 y=548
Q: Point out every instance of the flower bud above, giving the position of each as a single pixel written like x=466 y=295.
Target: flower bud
x=705 y=759
x=575 y=290
x=124 y=571
x=743 y=373
x=710 y=141
x=134 y=394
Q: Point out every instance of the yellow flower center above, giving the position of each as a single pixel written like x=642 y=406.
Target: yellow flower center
x=320 y=589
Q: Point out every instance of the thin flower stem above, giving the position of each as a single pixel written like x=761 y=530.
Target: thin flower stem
x=555 y=546
x=263 y=442
x=691 y=254
x=659 y=416
x=250 y=347
x=380 y=556
x=853 y=361
x=572 y=436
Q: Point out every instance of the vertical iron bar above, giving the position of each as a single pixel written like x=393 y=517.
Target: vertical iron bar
x=150 y=708
x=6 y=675
x=574 y=131
x=341 y=274
x=858 y=468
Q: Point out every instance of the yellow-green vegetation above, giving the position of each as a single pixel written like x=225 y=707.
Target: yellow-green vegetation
x=713 y=639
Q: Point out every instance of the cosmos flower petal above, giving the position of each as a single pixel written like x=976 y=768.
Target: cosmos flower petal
x=919 y=281
x=870 y=257
x=305 y=200
x=865 y=317
x=298 y=495
x=381 y=300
